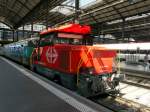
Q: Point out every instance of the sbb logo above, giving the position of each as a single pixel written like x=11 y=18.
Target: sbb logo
x=51 y=55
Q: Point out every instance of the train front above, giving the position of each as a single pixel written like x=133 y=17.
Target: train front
x=97 y=71
x=95 y=67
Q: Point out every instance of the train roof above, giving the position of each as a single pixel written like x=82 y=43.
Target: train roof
x=126 y=46
x=69 y=28
x=22 y=41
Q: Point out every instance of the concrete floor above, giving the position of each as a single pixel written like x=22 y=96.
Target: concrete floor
x=136 y=94
x=135 y=67
x=20 y=94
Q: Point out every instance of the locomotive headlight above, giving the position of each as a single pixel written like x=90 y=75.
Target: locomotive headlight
x=91 y=71
x=88 y=70
x=88 y=79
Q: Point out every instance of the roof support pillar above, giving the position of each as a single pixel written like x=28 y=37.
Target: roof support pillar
x=3 y=36
x=101 y=33
x=13 y=35
x=101 y=28
x=47 y=12
x=123 y=28
x=31 y=29
x=23 y=30
x=103 y=41
x=17 y=35
x=77 y=8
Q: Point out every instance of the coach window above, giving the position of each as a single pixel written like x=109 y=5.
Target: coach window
x=47 y=39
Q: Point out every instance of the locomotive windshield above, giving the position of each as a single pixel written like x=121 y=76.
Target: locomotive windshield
x=66 y=38
x=74 y=34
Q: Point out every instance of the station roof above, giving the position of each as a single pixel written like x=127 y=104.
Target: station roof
x=14 y=13
x=18 y=12
x=108 y=10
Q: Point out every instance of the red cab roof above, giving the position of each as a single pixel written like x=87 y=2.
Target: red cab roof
x=70 y=28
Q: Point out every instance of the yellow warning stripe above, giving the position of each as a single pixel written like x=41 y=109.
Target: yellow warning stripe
x=84 y=57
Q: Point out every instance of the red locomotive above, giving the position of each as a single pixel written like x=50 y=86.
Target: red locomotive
x=66 y=54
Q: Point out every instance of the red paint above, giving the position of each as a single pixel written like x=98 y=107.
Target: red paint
x=66 y=58
x=70 y=28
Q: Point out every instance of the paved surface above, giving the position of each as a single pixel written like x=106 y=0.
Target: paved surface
x=135 y=67
x=20 y=94
x=136 y=94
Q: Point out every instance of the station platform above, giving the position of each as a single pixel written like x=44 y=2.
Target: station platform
x=22 y=90
x=135 y=68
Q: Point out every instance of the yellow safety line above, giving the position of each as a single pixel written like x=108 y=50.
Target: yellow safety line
x=118 y=65
x=81 y=62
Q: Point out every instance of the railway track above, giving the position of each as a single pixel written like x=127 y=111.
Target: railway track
x=119 y=104
x=140 y=74
x=137 y=79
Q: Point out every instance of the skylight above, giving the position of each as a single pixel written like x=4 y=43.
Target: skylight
x=67 y=6
x=4 y=26
x=129 y=18
x=138 y=16
x=63 y=10
x=36 y=27
x=85 y=3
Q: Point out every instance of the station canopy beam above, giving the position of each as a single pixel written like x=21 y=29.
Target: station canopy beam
x=98 y=13
x=15 y=13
